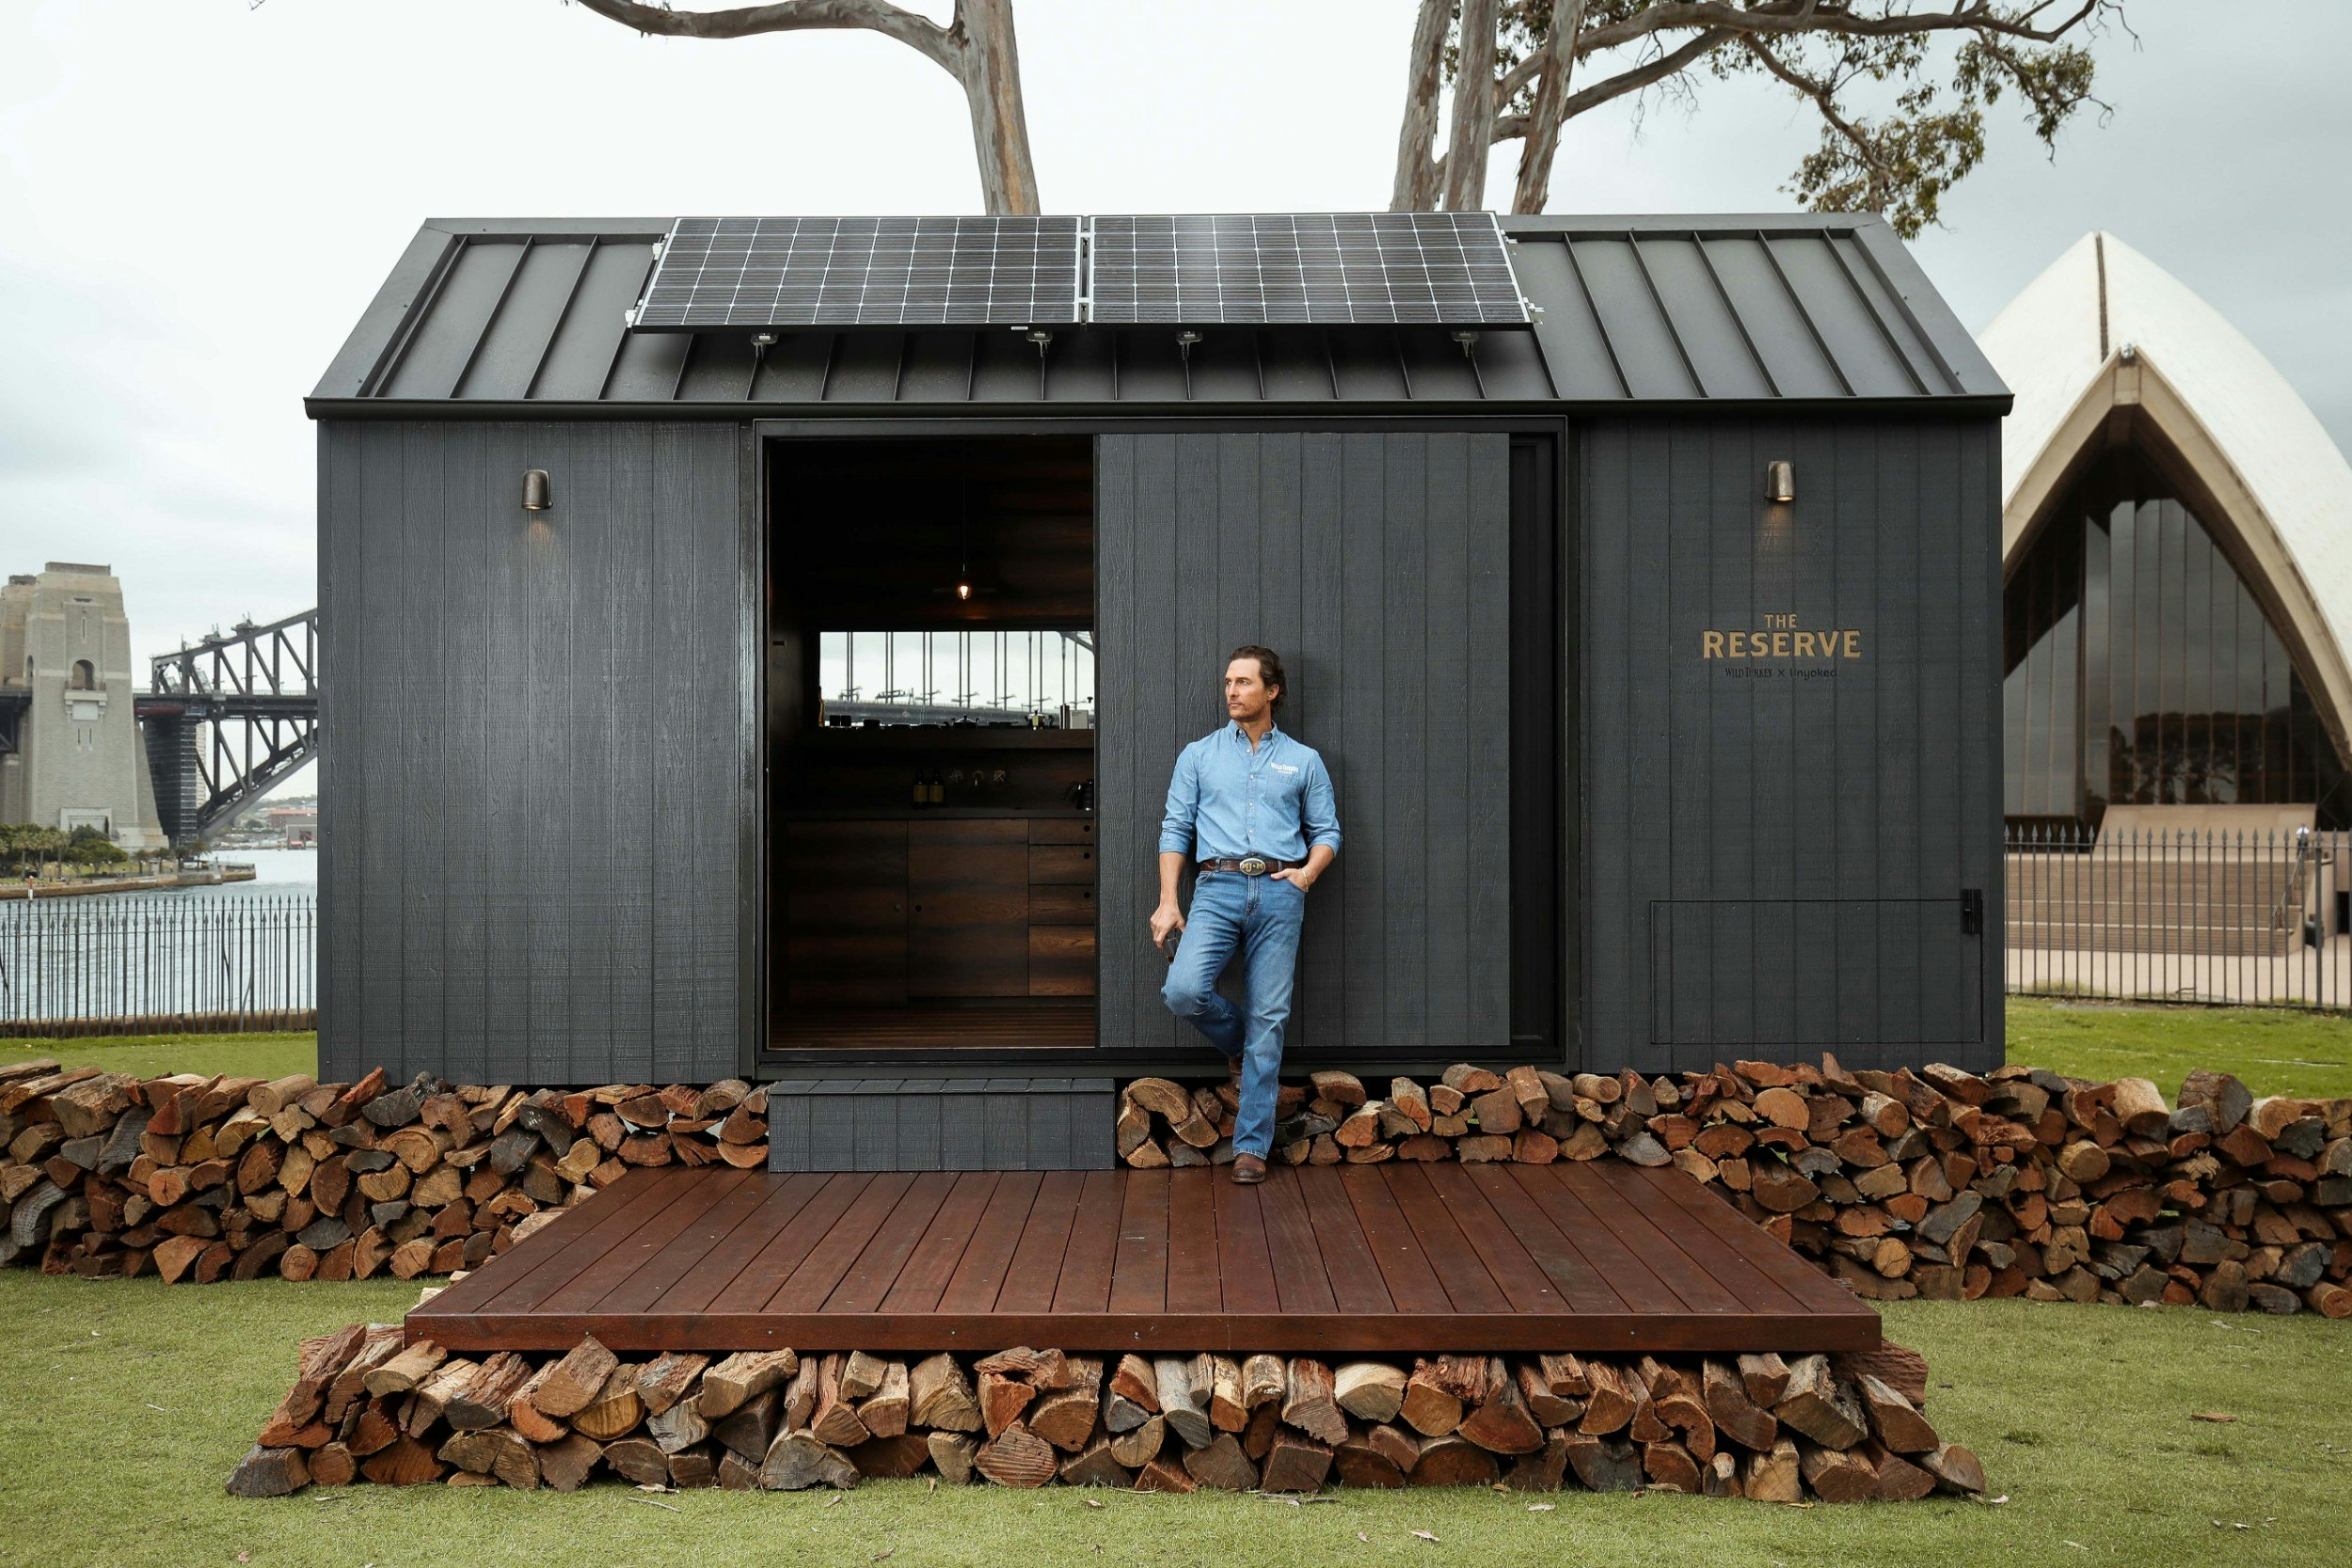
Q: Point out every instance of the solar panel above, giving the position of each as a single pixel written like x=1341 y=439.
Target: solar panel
x=759 y=274
x=1320 y=269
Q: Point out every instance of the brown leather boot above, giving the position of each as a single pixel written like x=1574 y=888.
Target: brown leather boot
x=1249 y=1170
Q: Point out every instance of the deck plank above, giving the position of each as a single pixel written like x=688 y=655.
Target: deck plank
x=1367 y=1259
x=696 y=1289
x=1356 y=1283
x=876 y=1269
x=1659 y=1252
x=980 y=1273
x=548 y=1267
x=1243 y=1266
x=920 y=1284
x=688 y=1245
x=1412 y=1279
x=1514 y=1272
x=1630 y=1278
x=1139 y=1272
x=614 y=1265
x=1709 y=1253
x=1459 y=1264
x=1302 y=1279
x=805 y=1288
x=1808 y=1287
x=757 y=1279
x=1084 y=1285
x=1193 y=1282
x=1581 y=1284
x=1037 y=1261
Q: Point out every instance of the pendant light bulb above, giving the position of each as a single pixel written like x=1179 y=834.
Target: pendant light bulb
x=963 y=590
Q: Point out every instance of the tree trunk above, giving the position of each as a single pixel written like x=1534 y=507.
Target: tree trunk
x=1542 y=141
x=1415 y=188
x=1471 y=135
x=988 y=66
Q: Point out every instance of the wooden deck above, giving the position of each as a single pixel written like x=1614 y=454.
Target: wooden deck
x=1385 y=1258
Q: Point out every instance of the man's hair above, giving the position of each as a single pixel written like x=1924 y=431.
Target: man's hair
x=1269 y=668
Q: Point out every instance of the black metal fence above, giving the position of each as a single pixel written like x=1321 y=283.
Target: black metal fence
x=2252 y=917
x=138 y=964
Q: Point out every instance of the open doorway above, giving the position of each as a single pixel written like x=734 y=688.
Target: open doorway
x=931 y=745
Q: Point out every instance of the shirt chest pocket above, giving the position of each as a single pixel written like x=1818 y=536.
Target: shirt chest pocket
x=1275 y=786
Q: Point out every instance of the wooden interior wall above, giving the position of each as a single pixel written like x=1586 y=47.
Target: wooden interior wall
x=1377 y=565
x=538 y=773
x=1775 y=866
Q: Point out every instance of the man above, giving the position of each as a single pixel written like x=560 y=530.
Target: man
x=1252 y=809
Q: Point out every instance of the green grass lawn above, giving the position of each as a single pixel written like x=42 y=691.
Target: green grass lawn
x=128 y=1403
x=2274 y=1051
x=155 y=1056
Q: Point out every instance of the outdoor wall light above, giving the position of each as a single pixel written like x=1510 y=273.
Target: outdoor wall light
x=538 y=495
x=1780 y=482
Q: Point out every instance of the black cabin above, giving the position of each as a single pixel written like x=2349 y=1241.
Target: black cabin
x=796 y=702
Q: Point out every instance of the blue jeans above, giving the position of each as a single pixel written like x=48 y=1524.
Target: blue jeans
x=1260 y=917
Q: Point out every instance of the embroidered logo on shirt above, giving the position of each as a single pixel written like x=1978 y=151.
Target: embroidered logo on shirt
x=1283 y=767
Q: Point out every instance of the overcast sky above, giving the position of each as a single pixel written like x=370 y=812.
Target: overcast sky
x=197 y=199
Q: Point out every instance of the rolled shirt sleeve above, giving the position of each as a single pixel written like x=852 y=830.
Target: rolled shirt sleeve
x=1183 y=804
x=1321 y=817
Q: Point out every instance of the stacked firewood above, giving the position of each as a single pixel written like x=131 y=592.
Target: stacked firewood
x=1938 y=1183
x=365 y=1406
x=202 y=1178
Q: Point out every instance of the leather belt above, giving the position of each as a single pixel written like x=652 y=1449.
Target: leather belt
x=1249 y=866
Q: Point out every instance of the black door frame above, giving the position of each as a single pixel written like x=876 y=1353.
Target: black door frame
x=1545 y=776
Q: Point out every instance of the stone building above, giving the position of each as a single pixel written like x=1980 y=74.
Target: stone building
x=66 y=685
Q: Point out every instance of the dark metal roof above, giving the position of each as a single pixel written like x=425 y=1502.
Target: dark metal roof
x=512 y=316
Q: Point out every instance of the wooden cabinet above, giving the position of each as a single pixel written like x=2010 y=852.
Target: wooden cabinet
x=909 y=910
x=967 y=908
x=845 y=911
x=1061 y=909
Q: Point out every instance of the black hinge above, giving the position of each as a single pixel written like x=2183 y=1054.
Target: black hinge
x=1972 y=911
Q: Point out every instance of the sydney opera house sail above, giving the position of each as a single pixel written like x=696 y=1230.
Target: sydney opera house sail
x=2177 y=556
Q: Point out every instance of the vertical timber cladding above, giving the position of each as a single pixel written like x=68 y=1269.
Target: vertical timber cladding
x=1777 y=845
x=1378 y=565
x=538 y=754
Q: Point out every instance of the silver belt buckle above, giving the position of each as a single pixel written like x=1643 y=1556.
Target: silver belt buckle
x=1254 y=866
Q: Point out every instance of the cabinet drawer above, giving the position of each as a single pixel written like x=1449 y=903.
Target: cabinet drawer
x=1061 y=862
x=1061 y=905
x=955 y=830
x=1061 y=961
x=1048 y=830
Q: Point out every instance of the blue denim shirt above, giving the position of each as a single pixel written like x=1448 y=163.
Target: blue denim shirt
x=1228 y=800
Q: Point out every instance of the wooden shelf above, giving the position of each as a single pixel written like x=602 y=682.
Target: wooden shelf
x=930 y=738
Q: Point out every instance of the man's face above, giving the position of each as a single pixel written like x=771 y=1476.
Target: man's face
x=1247 y=698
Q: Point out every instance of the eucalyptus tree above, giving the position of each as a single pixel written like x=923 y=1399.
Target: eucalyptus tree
x=1899 y=87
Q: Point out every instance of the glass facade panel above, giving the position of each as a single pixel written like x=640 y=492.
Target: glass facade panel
x=2141 y=672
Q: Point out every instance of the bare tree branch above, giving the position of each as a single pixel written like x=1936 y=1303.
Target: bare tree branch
x=1824 y=98
x=917 y=32
x=1807 y=16
x=977 y=48
x=1644 y=74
